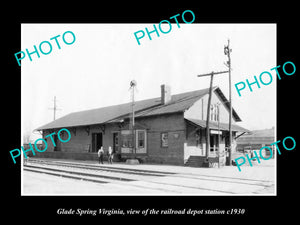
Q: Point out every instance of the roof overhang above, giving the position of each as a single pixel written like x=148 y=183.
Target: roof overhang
x=213 y=125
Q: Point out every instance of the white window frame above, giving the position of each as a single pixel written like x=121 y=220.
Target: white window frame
x=144 y=149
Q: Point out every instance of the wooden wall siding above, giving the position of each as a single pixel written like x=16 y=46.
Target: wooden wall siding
x=198 y=112
x=195 y=142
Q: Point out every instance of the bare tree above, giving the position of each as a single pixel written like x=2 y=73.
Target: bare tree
x=26 y=137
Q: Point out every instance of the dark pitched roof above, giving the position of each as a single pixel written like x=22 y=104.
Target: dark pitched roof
x=99 y=115
x=149 y=107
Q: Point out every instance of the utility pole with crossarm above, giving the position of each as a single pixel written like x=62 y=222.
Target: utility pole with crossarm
x=227 y=51
x=208 y=108
x=54 y=108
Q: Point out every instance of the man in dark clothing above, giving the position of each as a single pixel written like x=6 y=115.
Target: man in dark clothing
x=100 y=155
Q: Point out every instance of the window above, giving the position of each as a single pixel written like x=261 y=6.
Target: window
x=141 y=139
x=211 y=112
x=164 y=140
x=214 y=112
x=126 y=138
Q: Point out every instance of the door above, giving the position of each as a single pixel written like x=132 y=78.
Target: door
x=57 y=143
x=141 y=141
x=115 y=142
x=96 y=141
x=213 y=144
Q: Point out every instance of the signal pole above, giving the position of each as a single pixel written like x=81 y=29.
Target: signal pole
x=132 y=86
x=133 y=159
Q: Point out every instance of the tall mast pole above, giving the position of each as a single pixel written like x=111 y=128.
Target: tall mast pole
x=227 y=51
x=54 y=108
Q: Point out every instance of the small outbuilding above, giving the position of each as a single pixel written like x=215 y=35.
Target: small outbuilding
x=255 y=140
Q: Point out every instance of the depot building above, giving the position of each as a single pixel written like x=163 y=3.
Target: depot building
x=168 y=129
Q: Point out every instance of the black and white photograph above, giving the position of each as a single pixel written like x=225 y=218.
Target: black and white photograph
x=150 y=113
x=114 y=114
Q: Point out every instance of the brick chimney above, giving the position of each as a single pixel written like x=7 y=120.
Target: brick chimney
x=165 y=94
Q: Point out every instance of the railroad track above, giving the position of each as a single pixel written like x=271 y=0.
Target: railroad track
x=74 y=174
x=101 y=168
x=145 y=178
x=98 y=178
x=86 y=172
x=144 y=172
x=52 y=168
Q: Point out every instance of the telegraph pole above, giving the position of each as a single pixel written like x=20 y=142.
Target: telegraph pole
x=227 y=51
x=54 y=108
x=208 y=108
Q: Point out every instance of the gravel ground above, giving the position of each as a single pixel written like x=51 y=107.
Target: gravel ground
x=257 y=180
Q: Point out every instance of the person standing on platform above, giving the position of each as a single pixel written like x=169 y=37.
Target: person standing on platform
x=110 y=155
x=100 y=155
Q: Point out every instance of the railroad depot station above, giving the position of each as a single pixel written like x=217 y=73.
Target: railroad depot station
x=169 y=129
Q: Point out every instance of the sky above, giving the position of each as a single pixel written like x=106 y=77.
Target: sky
x=96 y=70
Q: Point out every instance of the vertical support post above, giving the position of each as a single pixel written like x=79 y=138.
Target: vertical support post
x=218 y=134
